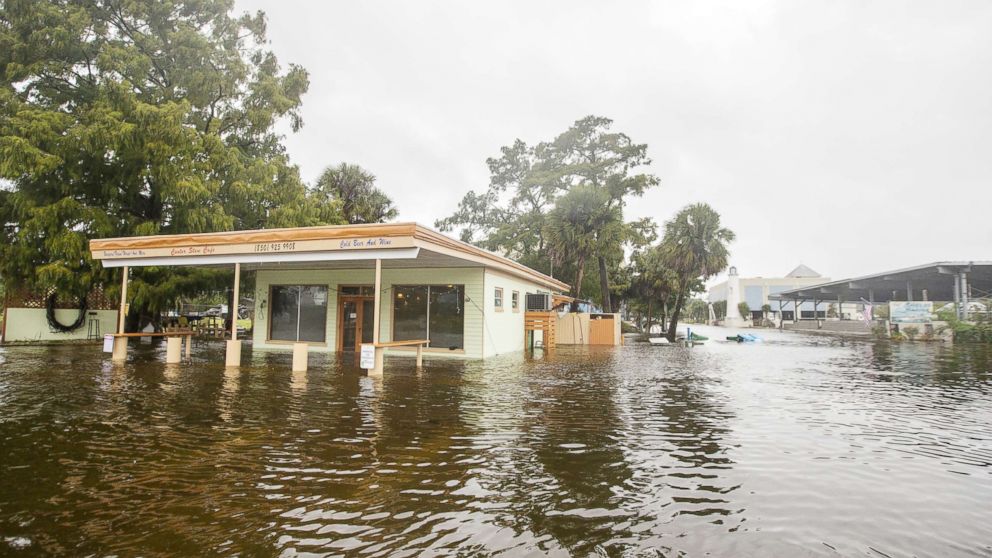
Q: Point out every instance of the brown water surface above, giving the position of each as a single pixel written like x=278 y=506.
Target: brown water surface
x=798 y=446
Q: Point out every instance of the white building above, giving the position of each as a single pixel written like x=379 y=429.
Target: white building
x=755 y=290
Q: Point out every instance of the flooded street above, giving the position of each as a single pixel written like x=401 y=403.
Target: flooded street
x=798 y=446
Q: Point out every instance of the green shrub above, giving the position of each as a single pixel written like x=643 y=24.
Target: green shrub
x=973 y=332
x=744 y=310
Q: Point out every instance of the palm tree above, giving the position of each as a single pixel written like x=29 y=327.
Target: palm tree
x=581 y=220
x=354 y=187
x=695 y=247
x=653 y=281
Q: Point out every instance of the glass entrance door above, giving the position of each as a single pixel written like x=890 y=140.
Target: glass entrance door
x=349 y=325
x=355 y=319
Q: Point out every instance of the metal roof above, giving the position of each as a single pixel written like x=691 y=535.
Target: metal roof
x=936 y=278
x=803 y=271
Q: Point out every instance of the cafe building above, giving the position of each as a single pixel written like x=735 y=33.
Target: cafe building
x=401 y=287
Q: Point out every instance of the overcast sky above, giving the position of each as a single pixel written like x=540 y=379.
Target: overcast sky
x=850 y=136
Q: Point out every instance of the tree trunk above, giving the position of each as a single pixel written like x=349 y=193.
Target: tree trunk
x=580 y=270
x=139 y=317
x=675 y=314
x=649 y=317
x=604 y=285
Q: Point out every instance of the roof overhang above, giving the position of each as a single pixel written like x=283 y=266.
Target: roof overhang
x=280 y=258
x=274 y=248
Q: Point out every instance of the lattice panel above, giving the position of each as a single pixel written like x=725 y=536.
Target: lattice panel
x=97 y=299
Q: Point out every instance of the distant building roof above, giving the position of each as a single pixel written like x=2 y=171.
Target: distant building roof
x=937 y=278
x=803 y=271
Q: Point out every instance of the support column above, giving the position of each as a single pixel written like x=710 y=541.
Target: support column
x=301 y=357
x=781 y=319
x=376 y=309
x=234 y=346
x=840 y=308
x=957 y=295
x=909 y=291
x=120 y=343
x=173 y=350
x=816 y=313
x=964 y=296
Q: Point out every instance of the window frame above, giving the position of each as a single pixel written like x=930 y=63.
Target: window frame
x=392 y=315
x=268 y=316
x=359 y=286
x=515 y=301
x=498 y=299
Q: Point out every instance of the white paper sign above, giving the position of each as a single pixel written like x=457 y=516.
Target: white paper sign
x=367 y=359
x=108 y=343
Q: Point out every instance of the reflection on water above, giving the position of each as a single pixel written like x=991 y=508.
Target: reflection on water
x=797 y=446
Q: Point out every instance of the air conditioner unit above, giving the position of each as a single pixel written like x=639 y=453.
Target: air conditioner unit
x=540 y=302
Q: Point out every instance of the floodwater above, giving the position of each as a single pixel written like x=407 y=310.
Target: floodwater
x=798 y=446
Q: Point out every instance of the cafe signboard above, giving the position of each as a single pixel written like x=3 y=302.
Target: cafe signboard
x=258 y=248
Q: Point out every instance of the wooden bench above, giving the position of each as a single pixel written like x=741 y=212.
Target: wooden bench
x=172 y=353
x=419 y=343
x=156 y=334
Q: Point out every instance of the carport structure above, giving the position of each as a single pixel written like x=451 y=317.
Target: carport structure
x=955 y=281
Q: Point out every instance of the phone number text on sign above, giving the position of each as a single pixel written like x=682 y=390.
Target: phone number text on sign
x=275 y=247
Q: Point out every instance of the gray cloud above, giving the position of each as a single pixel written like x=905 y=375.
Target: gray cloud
x=851 y=136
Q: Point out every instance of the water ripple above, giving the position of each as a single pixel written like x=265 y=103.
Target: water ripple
x=800 y=446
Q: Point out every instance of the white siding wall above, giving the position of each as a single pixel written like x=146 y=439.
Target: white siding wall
x=472 y=278
x=504 y=331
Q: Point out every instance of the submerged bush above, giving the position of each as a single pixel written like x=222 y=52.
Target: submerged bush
x=911 y=332
x=972 y=332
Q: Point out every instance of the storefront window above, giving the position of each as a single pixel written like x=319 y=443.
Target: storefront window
x=298 y=313
x=435 y=312
x=447 y=316
x=409 y=313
